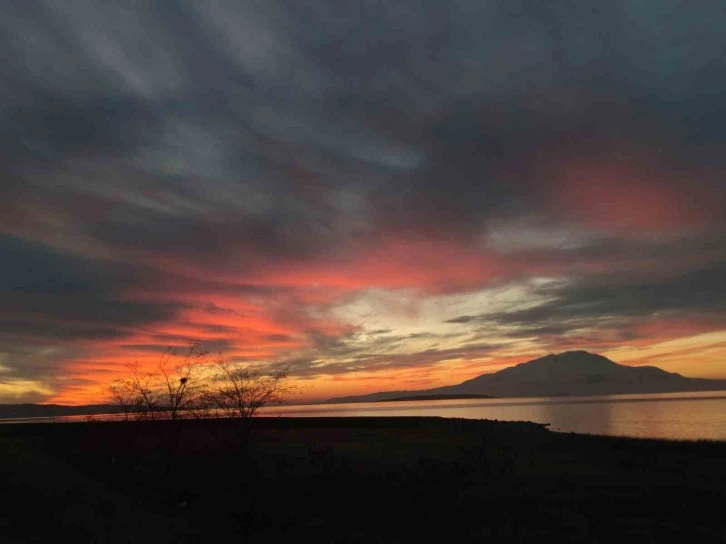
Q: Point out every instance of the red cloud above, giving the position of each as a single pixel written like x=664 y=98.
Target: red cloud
x=431 y=265
x=630 y=194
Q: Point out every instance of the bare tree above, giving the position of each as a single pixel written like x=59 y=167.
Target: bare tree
x=204 y=405
x=241 y=392
x=172 y=389
x=182 y=385
x=146 y=394
x=125 y=396
x=191 y=387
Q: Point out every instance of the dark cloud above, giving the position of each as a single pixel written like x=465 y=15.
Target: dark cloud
x=57 y=126
x=49 y=294
x=702 y=291
x=178 y=346
x=613 y=305
x=31 y=268
x=480 y=95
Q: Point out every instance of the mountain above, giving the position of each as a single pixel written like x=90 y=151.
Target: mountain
x=572 y=373
x=437 y=397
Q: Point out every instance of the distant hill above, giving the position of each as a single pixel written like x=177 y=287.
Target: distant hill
x=436 y=397
x=572 y=373
x=23 y=411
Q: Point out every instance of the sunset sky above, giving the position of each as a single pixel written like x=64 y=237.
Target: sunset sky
x=375 y=195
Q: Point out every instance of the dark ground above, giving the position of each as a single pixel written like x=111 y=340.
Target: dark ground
x=352 y=480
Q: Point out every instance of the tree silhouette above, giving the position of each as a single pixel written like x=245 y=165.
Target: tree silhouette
x=182 y=385
x=195 y=388
x=240 y=392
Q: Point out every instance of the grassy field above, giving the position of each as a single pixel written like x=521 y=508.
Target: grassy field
x=352 y=480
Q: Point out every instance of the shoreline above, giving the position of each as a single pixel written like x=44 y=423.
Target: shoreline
x=13 y=426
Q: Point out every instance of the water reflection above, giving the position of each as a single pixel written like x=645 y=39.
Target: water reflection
x=675 y=416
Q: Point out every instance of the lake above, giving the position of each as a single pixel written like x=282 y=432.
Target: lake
x=674 y=416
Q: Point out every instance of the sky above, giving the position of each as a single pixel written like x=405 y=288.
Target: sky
x=375 y=195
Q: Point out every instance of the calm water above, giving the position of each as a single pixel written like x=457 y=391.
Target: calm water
x=676 y=416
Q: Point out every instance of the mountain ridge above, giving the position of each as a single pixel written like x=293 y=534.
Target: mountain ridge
x=570 y=373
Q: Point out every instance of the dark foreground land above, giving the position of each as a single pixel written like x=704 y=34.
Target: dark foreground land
x=352 y=480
